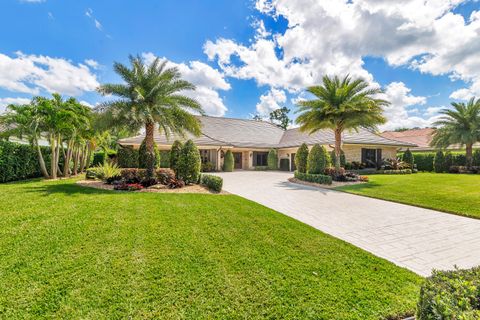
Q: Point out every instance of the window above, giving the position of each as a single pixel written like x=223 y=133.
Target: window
x=260 y=159
x=204 y=155
x=371 y=157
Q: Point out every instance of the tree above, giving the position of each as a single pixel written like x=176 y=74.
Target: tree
x=341 y=104
x=317 y=160
x=408 y=158
x=459 y=126
x=301 y=158
x=228 y=161
x=152 y=95
x=439 y=162
x=189 y=163
x=175 y=155
x=280 y=117
x=272 y=159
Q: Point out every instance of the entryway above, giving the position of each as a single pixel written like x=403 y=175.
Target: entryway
x=237 y=156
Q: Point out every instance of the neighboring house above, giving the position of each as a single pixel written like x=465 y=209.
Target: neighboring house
x=250 y=141
x=420 y=137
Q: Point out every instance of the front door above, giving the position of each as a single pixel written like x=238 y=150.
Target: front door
x=292 y=162
x=237 y=156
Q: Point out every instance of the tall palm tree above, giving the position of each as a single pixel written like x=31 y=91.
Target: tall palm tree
x=459 y=126
x=152 y=95
x=341 y=104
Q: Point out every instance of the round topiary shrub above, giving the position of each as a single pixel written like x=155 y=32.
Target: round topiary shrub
x=408 y=158
x=272 y=159
x=228 y=161
x=301 y=158
x=143 y=156
x=189 y=163
x=439 y=162
x=175 y=155
x=317 y=160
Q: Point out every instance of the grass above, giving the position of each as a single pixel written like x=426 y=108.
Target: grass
x=72 y=252
x=454 y=193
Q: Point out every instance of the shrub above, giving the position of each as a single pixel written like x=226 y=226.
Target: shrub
x=189 y=163
x=132 y=175
x=315 y=178
x=450 y=295
x=212 y=182
x=317 y=160
x=272 y=159
x=398 y=171
x=301 y=158
x=261 y=168
x=394 y=164
x=175 y=155
x=143 y=156
x=208 y=167
x=164 y=159
x=228 y=161
x=408 y=158
x=174 y=183
x=448 y=162
x=424 y=161
x=99 y=157
x=439 y=162
x=333 y=156
x=91 y=173
x=476 y=158
x=164 y=175
x=123 y=186
x=127 y=157
x=108 y=172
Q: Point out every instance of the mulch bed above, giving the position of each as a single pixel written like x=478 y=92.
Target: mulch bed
x=159 y=188
x=325 y=186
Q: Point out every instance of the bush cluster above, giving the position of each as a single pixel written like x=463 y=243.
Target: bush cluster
x=450 y=295
x=212 y=182
x=399 y=171
x=261 y=168
x=464 y=169
x=301 y=158
x=208 y=167
x=127 y=158
x=315 y=178
x=135 y=175
x=424 y=161
x=228 y=161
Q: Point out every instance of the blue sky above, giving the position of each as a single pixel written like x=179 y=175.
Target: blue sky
x=423 y=60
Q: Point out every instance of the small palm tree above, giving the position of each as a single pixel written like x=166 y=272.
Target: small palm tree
x=459 y=126
x=151 y=95
x=341 y=104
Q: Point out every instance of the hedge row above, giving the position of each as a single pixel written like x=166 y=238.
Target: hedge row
x=425 y=160
x=212 y=182
x=129 y=158
x=315 y=178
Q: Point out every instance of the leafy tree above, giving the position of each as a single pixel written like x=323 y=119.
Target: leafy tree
x=439 y=162
x=301 y=158
x=257 y=117
x=459 y=126
x=408 y=158
x=317 y=160
x=280 y=117
x=228 y=161
x=143 y=155
x=175 y=155
x=341 y=104
x=272 y=159
x=152 y=95
x=189 y=163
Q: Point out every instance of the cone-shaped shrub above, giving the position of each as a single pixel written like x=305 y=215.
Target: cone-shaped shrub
x=408 y=158
x=301 y=158
x=189 y=163
x=143 y=156
x=317 y=160
x=448 y=161
x=228 y=161
x=272 y=159
x=439 y=162
x=175 y=154
x=333 y=156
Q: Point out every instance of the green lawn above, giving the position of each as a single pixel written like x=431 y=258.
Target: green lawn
x=455 y=193
x=73 y=252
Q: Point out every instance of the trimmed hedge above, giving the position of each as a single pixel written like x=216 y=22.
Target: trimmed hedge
x=272 y=159
x=424 y=160
x=450 y=295
x=317 y=160
x=20 y=161
x=301 y=158
x=98 y=157
x=189 y=163
x=127 y=158
x=228 y=161
x=212 y=182
x=164 y=159
x=261 y=168
x=315 y=178
x=175 y=155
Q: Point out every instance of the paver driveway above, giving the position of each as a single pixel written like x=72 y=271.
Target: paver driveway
x=415 y=238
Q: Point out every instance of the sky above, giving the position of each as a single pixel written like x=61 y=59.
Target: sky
x=248 y=57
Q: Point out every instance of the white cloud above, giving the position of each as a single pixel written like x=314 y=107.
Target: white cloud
x=33 y=1
x=92 y=63
x=4 y=102
x=34 y=73
x=270 y=101
x=208 y=82
x=89 y=14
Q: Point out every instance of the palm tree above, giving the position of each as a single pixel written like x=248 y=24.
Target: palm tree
x=152 y=95
x=459 y=126
x=341 y=104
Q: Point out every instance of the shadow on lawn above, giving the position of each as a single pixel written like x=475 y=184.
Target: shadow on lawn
x=358 y=187
x=67 y=188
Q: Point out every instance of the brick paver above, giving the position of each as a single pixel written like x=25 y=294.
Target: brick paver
x=411 y=237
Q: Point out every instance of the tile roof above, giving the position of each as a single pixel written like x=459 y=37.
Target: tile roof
x=217 y=131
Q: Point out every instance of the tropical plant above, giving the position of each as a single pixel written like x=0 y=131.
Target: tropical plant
x=189 y=163
x=152 y=95
x=317 y=160
x=228 y=161
x=272 y=159
x=175 y=155
x=108 y=171
x=341 y=104
x=459 y=126
x=301 y=158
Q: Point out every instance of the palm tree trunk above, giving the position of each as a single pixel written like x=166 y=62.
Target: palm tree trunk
x=66 y=159
x=43 y=167
x=338 y=149
x=149 y=128
x=469 y=154
x=89 y=156
x=53 y=163
x=75 y=161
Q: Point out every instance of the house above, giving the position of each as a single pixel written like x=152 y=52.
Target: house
x=420 y=137
x=250 y=141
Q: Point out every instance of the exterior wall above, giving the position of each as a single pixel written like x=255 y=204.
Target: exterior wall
x=354 y=152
